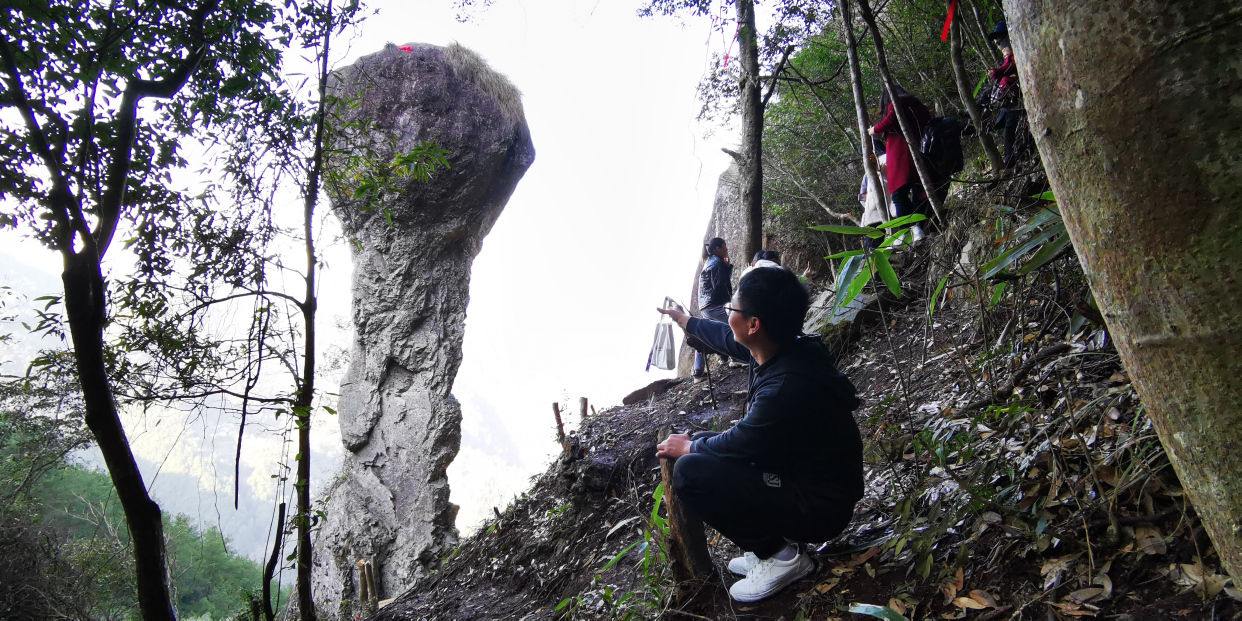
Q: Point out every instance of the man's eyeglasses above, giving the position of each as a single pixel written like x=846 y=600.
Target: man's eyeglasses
x=737 y=310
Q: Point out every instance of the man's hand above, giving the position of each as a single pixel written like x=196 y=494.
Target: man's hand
x=676 y=445
x=677 y=316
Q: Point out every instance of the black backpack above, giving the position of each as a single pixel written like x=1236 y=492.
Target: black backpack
x=942 y=146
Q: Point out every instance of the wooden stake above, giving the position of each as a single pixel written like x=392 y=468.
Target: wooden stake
x=582 y=407
x=560 y=426
x=687 y=544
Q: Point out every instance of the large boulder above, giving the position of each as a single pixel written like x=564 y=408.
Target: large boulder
x=413 y=242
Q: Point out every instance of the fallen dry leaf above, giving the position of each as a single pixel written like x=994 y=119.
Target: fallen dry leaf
x=1149 y=540
x=1053 y=568
x=983 y=597
x=1082 y=596
x=966 y=602
x=824 y=587
x=897 y=605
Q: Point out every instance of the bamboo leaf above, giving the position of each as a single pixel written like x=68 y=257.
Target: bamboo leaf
x=856 y=286
x=995 y=266
x=902 y=221
x=1050 y=251
x=616 y=558
x=844 y=254
x=885 y=269
x=845 y=229
x=1044 y=216
x=879 y=612
x=849 y=271
x=931 y=304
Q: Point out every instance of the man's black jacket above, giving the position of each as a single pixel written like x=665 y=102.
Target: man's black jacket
x=799 y=423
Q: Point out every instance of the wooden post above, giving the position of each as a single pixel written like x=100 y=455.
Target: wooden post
x=582 y=407
x=560 y=426
x=687 y=545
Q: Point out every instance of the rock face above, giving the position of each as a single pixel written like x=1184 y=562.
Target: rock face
x=413 y=245
x=728 y=223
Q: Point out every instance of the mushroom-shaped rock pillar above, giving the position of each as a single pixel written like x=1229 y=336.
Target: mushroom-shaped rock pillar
x=413 y=242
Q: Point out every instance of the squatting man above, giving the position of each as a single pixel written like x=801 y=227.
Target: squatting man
x=790 y=471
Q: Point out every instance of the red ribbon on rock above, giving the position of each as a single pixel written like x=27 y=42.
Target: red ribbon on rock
x=948 y=21
x=408 y=48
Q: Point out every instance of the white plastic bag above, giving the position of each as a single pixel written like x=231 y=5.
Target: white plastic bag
x=663 y=348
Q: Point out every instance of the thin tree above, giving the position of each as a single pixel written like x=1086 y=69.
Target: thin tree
x=751 y=104
x=860 y=106
x=908 y=128
x=89 y=159
x=968 y=100
x=1140 y=141
x=305 y=398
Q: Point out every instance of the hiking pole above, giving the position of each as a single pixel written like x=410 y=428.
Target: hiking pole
x=711 y=390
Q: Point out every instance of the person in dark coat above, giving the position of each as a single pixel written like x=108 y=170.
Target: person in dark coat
x=906 y=190
x=715 y=288
x=790 y=471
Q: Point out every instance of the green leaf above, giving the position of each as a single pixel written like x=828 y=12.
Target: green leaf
x=891 y=240
x=1044 y=196
x=849 y=272
x=978 y=87
x=856 y=286
x=1076 y=322
x=879 y=612
x=931 y=304
x=658 y=495
x=1045 y=215
x=885 y=269
x=845 y=254
x=997 y=292
x=925 y=566
x=844 y=229
x=616 y=558
x=995 y=266
x=1050 y=251
x=902 y=221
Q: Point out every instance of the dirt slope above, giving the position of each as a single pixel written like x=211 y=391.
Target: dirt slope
x=1011 y=474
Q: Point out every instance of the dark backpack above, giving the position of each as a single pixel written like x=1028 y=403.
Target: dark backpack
x=942 y=146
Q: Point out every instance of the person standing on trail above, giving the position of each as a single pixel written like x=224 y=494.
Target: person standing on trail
x=715 y=287
x=791 y=470
x=908 y=195
x=1007 y=95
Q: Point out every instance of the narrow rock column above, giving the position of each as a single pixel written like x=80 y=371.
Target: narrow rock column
x=413 y=245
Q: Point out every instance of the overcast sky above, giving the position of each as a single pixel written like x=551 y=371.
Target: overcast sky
x=607 y=221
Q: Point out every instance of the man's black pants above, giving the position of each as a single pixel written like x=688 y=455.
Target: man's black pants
x=757 y=511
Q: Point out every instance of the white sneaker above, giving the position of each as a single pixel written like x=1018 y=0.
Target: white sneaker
x=770 y=575
x=917 y=230
x=743 y=564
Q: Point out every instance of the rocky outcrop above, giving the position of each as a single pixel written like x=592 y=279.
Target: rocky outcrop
x=414 y=240
x=729 y=223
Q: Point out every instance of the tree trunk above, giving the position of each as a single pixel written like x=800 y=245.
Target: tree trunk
x=968 y=98
x=860 y=105
x=84 y=305
x=750 y=164
x=908 y=128
x=1134 y=108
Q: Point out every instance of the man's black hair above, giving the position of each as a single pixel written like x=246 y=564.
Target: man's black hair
x=777 y=298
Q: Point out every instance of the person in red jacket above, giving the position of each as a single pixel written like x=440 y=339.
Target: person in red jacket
x=908 y=195
x=1008 y=94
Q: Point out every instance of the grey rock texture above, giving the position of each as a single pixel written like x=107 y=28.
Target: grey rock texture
x=727 y=222
x=413 y=247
